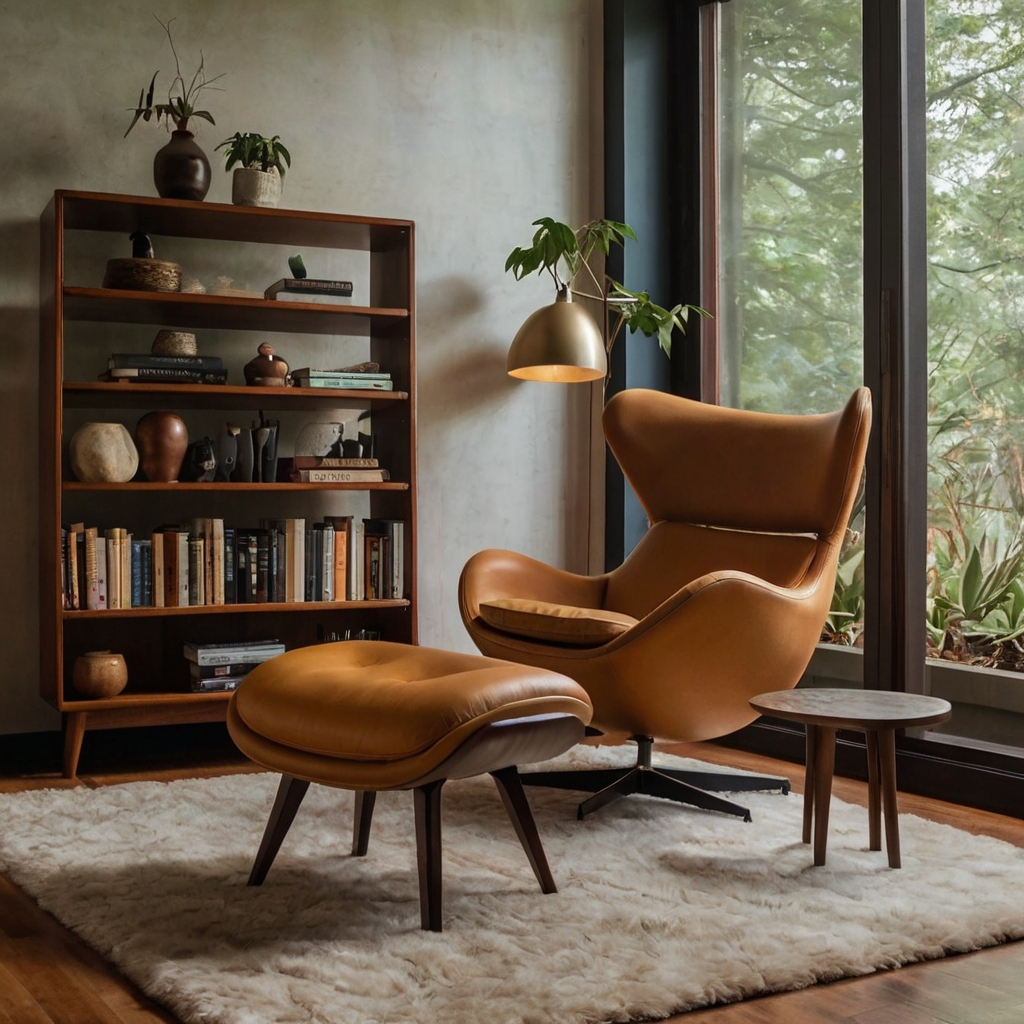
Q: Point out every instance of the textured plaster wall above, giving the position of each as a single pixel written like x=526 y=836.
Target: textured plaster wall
x=471 y=117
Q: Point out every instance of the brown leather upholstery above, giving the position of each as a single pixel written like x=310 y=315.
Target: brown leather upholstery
x=377 y=715
x=555 y=623
x=731 y=584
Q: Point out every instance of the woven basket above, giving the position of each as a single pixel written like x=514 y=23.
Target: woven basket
x=142 y=275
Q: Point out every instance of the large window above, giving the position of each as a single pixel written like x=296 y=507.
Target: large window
x=974 y=105
x=790 y=311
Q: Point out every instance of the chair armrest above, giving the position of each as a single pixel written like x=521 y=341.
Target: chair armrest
x=687 y=670
x=493 y=574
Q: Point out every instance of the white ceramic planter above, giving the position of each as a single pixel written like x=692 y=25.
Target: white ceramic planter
x=252 y=187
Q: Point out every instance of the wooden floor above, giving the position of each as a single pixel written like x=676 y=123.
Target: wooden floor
x=48 y=976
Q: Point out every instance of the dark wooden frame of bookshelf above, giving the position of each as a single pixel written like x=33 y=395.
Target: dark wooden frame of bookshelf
x=152 y=638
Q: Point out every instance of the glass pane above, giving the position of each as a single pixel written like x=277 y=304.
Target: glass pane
x=975 y=91
x=790 y=313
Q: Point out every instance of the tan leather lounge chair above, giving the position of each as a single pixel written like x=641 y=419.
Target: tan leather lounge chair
x=723 y=598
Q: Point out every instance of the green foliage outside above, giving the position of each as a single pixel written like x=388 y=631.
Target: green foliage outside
x=792 y=93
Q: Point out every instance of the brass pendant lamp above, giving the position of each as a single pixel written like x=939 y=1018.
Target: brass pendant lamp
x=558 y=343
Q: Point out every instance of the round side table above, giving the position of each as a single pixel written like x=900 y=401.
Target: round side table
x=876 y=713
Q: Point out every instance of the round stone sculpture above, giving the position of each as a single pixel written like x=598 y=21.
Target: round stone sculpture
x=317 y=438
x=99 y=674
x=102 y=453
x=162 y=438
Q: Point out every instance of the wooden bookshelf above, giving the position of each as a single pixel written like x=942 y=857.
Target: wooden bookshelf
x=150 y=638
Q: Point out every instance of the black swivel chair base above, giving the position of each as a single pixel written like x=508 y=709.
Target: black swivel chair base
x=685 y=787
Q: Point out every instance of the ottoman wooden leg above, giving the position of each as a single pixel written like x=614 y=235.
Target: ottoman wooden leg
x=427 y=801
x=289 y=795
x=365 y=799
x=510 y=787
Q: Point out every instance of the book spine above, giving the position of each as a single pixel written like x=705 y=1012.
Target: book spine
x=341 y=476
x=230 y=592
x=231 y=668
x=147 y=573
x=136 y=573
x=252 y=544
x=398 y=562
x=233 y=656
x=126 y=361
x=157 y=557
x=344 y=383
x=356 y=574
x=183 y=569
x=340 y=562
x=327 y=566
x=170 y=549
x=126 y=567
x=101 y=571
x=216 y=685
x=195 y=571
x=113 y=569
x=171 y=374
x=263 y=567
x=92 y=583
x=330 y=462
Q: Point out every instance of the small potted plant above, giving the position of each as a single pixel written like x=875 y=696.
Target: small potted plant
x=180 y=169
x=262 y=162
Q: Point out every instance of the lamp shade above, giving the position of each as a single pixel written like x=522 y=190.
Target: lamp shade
x=558 y=343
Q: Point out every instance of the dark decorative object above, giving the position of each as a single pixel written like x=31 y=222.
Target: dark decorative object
x=266 y=369
x=181 y=169
x=226 y=452
x=99 y=674
x=162 y=440
x=200 y=461
x=142 y=247
x=243 y=465
x=265 y=450
x=296 y=266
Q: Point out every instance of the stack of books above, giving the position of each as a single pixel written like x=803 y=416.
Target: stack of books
x=327 y=469
x=307 y=377
x=150 y=369
x=214 y=667
x=309 y=289
x=205 y=563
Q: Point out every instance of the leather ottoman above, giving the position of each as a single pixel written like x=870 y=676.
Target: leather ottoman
x=371 y=716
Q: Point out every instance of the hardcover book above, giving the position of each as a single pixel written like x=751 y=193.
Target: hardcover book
x=303 y=287
x=146 y=361
x=243 y=652
x=166 y=375
x=340 y=476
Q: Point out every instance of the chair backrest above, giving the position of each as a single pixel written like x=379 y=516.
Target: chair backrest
x=730 y=489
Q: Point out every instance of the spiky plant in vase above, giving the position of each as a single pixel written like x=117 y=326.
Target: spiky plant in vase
x=258 y=178
x=181 y=169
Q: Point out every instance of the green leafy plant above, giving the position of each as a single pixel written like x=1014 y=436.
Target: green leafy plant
x=252 y=150
x=181 y=97
x=565 y=254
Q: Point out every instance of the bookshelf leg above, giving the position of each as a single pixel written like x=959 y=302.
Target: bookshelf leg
x=74 y=732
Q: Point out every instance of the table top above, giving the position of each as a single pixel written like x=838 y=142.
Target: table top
x=843 y=708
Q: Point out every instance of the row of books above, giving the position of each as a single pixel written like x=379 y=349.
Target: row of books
x=144 y=368
x=207 y=563
x=219 y=667
x=307 y=377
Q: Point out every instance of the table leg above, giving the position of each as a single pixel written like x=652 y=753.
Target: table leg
x=874 y=792
x=824 y=766
x=887 y=763
x=811 y=755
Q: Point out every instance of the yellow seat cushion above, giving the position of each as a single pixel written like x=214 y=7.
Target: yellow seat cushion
x=555 y=623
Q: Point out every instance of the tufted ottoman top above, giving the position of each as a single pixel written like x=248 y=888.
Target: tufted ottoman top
x=372 y=701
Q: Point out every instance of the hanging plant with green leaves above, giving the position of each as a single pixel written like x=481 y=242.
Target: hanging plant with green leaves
x=560 y=250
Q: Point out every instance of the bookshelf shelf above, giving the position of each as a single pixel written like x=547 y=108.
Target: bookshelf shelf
x=382 y=324
x=103 y=395
x=143 y=485
x=110 y=305
x=297 y=607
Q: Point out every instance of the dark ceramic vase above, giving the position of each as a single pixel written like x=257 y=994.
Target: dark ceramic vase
x=180 y=169
x=162 y=439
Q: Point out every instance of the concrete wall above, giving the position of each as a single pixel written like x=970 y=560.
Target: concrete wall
x=472 y=117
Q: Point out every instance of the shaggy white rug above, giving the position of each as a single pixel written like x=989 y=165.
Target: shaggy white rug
x=660 y=907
